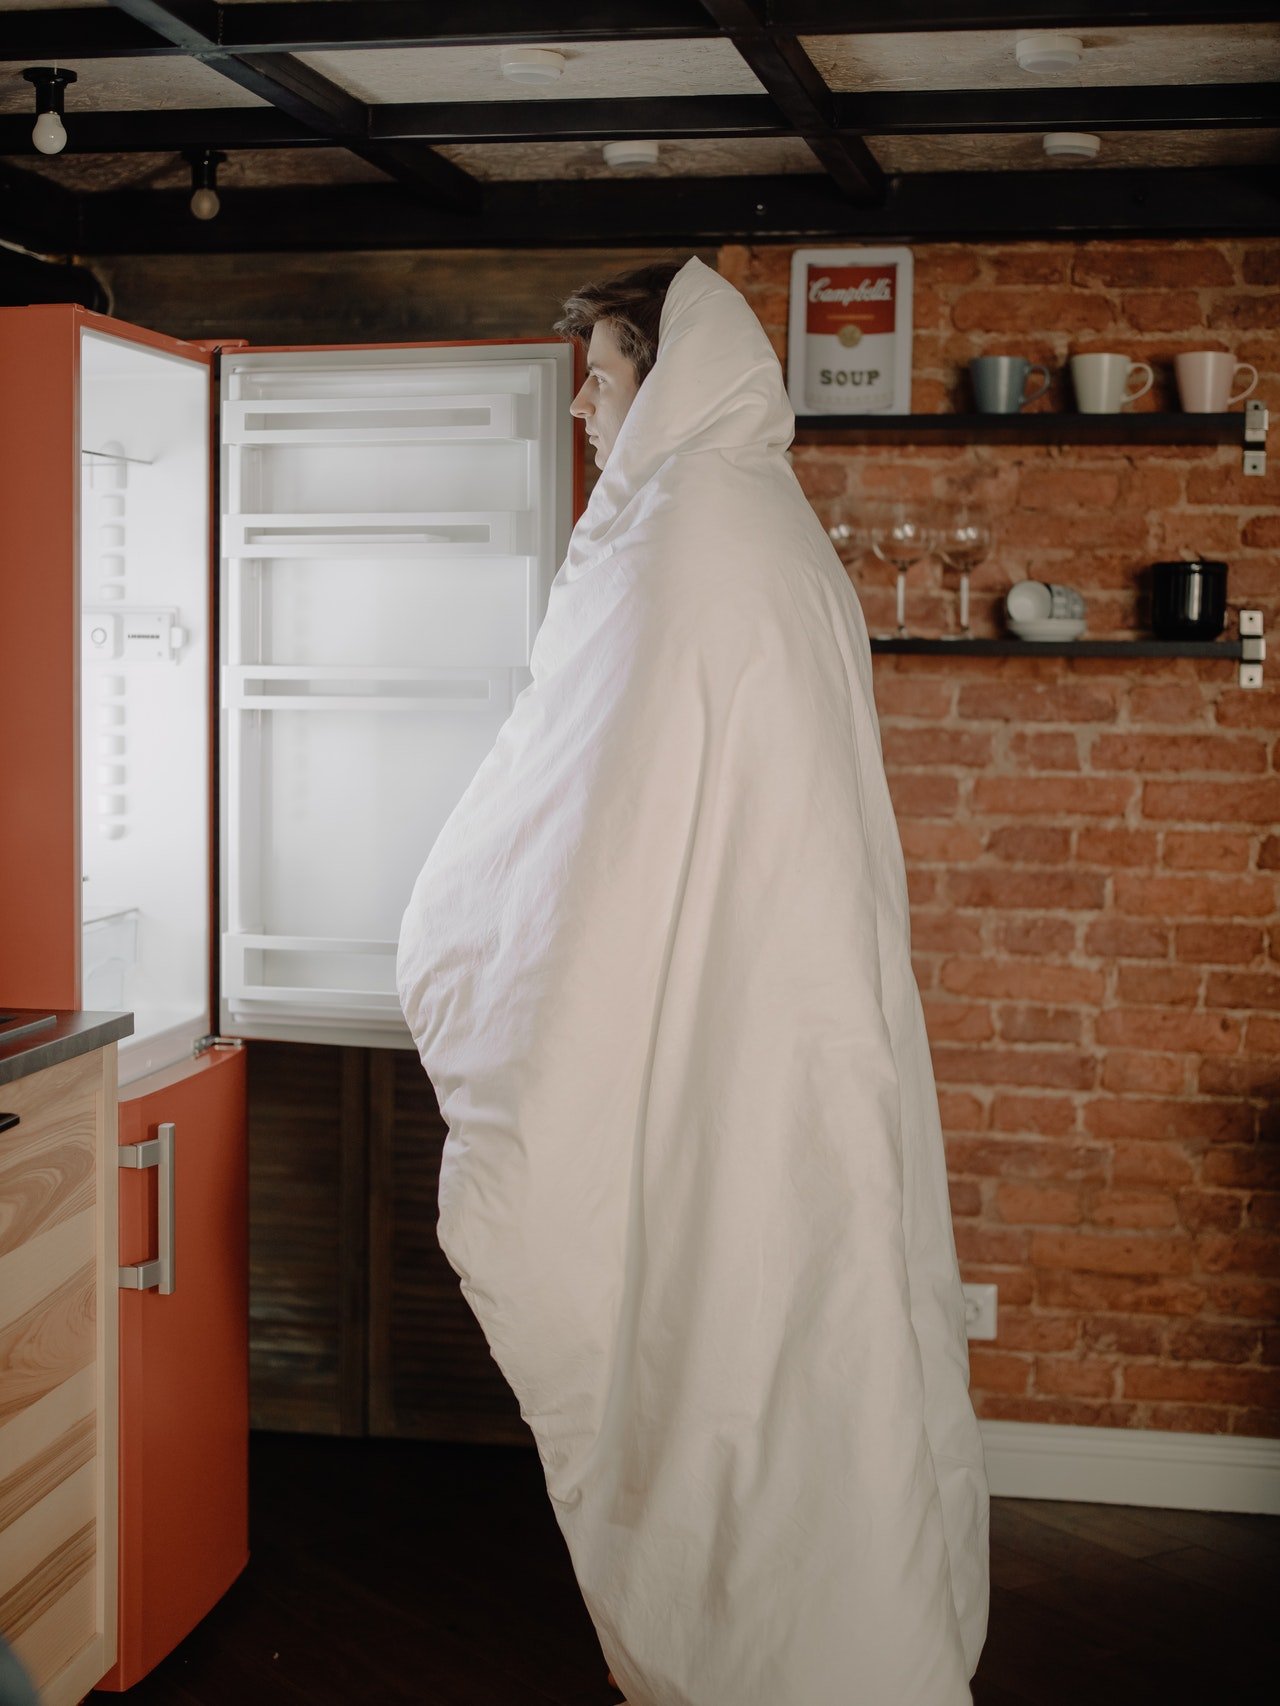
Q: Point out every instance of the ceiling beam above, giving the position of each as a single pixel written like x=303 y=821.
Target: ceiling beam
x=317 y=25
x=1226 y=106
x=792 y=82
x=691 y=212
x=302 y=94
x=42 y=218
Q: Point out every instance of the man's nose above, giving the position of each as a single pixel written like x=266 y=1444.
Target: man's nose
x=579 y=405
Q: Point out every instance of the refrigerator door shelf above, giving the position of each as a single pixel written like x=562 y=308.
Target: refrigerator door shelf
x=356 y=687
x=377 y=420
x=427 y=534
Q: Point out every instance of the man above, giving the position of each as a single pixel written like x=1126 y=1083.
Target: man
x=657 y=966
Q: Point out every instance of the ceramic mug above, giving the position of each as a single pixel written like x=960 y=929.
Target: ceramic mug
x=1101 y=382
x=1205 y=378
x=1000 y=383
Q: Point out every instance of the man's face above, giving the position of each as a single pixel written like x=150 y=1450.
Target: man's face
x=608 y=393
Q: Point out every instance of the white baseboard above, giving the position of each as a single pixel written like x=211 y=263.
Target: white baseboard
x=1132 y=1466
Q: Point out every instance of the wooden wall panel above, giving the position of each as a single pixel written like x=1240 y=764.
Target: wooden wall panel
x=431 y=1374
x=307 y=1217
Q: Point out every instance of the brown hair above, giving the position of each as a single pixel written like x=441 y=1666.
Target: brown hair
x=632 y=304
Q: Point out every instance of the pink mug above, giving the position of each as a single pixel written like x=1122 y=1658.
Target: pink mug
x=1205 y=378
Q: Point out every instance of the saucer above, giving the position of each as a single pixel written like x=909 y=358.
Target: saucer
x=1048 y=628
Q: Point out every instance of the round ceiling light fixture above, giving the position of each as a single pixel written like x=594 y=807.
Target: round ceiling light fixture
x=1071 y=145
x=49 y=133
x=630 y=156
x=1048 y=54
x=531 y=64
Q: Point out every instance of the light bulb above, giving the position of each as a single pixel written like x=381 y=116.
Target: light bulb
x=49 y=135
x=205 y=203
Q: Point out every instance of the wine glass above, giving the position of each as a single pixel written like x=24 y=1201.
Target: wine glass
x=901 y=535
x=964 y=541
x=849 y=539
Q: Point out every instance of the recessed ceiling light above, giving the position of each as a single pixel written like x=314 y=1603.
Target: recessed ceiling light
x=630 y=156
x=531 y=64
x=1049 y=54
x=1071 y=145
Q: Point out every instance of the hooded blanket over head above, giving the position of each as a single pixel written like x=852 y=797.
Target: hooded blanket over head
x=657 y=968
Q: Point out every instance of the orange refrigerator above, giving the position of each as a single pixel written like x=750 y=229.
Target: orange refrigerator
x=262 y=614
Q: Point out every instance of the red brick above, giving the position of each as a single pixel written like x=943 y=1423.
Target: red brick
x=1045 y=938
x=1261 y=264
x=1215 y=850
x=1247 y=1077
x=1244 y=1166
x=1007 y=311
x=1009 y=981
x=1121 y=1335
x=1044 y=1205
x=1030 y=702
x=960 y=1111
x=1003 y=1158
x=1025 y=1330
x=1090 y=1252
x=1158 y=266
x=1027 y=263
x=1258 y=709
x=1058 y=489
x=957 y=1021
x=821 y=477
x=948 y=843
x=1213 y=1341
x=1194 y=897
x=909 y=696
x=1256 y=1254
x=1191 y=1418
x=1050 y=1116
x=1167 y=702
x=1057 y=1070
x=1162 y=310
x=1209 y=1385
x=1030 y=845
x=998 y=1371
x=1147 y=1163
x=1122 y=938
x=1065 y=1288
x=1133 y=1210
x=1143 y=1074
x=1218 y=1211
x=1261 y=532
x=1057 y=1412
x=1011 y=890
x=1076 y=1377
x=922 y=886
x=1217 y=944
x=1262 y=1211
x=1242 y=313
x=1262 y=1035
x=1243 y=1300
x=1111 y=847
x=1168 y=986
x=966 y=1197
x=1019 y=1024
x=1160 y=1028
x=1178 y=753
x=1053 y=797
x=991 y=1244
x=945 y=932
x=1244 y=989
x=923 y=795
x=1047 y=751
x=913 y=748
x=1227 y=483
x=946 y=263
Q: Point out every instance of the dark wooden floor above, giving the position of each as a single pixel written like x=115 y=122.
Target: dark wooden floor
x=389 y=1572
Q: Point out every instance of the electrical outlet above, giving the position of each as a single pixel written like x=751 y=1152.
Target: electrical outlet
x=980 y=1311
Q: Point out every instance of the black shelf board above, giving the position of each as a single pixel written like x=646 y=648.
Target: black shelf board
x=1227 y=649
x=1044 y=428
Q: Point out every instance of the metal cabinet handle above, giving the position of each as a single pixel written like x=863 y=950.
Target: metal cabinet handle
x=155 y=1152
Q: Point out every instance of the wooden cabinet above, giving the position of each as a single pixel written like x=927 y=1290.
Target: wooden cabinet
x=58 y=1372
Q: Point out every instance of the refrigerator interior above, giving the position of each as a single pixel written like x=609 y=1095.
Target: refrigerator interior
x=392 y=521
x=144 y=718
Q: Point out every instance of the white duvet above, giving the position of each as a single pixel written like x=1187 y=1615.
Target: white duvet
x=657 y=969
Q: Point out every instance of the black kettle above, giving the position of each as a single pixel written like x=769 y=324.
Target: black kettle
x=1188 y=600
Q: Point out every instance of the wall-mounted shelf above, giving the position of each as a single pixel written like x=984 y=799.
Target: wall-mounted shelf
x=1247 y=428
x=1249 y=650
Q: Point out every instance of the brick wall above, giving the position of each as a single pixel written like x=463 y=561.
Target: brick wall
x=1092 y=850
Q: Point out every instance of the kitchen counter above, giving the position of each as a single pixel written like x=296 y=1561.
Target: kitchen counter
x=28 y=1046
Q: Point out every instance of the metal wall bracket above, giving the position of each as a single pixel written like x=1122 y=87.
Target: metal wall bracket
x=1255 y=434
x=1253 y=648
x=155 y=1152
x=202 y=1043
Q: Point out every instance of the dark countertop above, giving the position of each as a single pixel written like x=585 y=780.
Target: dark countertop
x=24 y=1051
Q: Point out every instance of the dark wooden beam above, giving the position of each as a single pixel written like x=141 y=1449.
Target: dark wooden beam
x=793 y=83
x=696 y=212
x=672 y=116
x=301 y=93
x=841 y=17
x=1154 y=106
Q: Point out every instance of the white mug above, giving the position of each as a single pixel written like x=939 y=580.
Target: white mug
x=1101 y=382
x=1205 y=378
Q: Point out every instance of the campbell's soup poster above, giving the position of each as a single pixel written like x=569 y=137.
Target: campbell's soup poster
x=850 y=336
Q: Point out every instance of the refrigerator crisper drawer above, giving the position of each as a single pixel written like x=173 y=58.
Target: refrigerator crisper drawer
x=392 y=522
